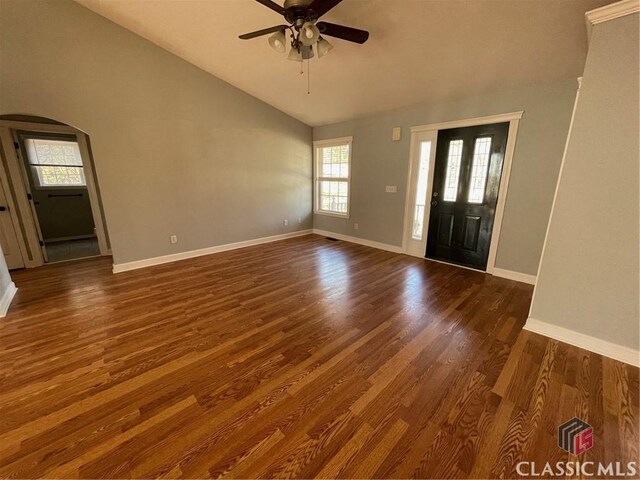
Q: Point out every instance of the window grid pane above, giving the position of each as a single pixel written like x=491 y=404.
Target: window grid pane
x=333 y=179
x=335 y=161
x=453 y=171
x=421 y=191
x=56 y=163
x=334 y=196
x=479 y=169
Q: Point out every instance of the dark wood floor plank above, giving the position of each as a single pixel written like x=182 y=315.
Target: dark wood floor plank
x=296 y=359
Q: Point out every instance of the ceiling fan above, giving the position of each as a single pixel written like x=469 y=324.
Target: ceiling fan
x=305 y=29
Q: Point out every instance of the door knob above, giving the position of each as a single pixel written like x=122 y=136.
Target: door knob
x=434 y=203
x=435 y=194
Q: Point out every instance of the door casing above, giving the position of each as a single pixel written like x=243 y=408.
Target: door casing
x=418 y=133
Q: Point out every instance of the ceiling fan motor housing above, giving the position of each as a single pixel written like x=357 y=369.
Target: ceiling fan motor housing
x=297 y=12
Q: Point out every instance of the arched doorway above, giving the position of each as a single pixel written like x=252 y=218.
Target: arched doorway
x=50 y=206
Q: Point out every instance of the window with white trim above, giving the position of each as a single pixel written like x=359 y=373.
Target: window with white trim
x=55 y=163
x=332 y=160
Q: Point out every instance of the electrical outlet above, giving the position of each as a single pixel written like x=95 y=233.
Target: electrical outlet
x=285 y=222
x=391 y=189
x=356 y=226
x=173 y=239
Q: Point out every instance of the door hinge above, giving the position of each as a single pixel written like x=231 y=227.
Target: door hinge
x=41 y=243
x=29 y=197
x=16 y=145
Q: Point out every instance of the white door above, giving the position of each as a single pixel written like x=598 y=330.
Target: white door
x=8 y=237
x=423 y=153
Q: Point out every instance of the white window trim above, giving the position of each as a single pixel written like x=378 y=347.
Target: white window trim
x=317 y=145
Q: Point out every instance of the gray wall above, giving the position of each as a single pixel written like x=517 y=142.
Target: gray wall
x=176 y=150
x=377 y=161
x=588 y=278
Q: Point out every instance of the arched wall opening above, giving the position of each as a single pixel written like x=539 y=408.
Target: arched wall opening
x=50 y=204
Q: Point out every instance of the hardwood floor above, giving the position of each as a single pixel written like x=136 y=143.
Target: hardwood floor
x=302 y=358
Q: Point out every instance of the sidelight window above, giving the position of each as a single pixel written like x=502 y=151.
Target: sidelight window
x=421 y=191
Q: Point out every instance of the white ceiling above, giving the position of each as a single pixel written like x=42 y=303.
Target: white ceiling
x=419 y=51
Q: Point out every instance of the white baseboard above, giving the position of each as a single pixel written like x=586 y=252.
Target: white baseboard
x=577 y=339
x=517 y=276
x=6 y=299
x=359 y=241
x=149 y=262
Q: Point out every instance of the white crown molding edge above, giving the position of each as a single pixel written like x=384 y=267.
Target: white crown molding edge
x=359 y=241
x=175 y=257
x=513 y=275
x=610 y=12
x=5 y=302
x=587 y=342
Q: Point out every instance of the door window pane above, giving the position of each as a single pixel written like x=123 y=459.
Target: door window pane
x=454 y=160
x=479 y=169
x=421 y=191
x=56 y=163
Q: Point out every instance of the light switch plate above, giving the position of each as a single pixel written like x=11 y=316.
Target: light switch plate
x=391 y=189
x=396 y=136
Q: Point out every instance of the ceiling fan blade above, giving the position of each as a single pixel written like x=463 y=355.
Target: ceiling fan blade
x=345 y=33
x=320 y=7
x=265 y=31
x=272 y=5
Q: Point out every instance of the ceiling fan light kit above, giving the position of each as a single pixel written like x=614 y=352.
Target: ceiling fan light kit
x=302 y=17
x=278 y=42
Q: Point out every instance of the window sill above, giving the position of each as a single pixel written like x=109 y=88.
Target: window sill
x=330 y=214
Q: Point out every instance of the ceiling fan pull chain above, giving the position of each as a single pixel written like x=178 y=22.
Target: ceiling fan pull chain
x=309 y=76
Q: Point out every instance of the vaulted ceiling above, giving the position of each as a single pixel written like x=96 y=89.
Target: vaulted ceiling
x=419 y=51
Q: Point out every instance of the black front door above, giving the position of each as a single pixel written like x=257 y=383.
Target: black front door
x=465 y=191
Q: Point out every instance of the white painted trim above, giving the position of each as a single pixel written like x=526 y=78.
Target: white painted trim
x=6 y=299
x=40 y=127
x=149 y=262
x=92 y=191
x=510 y=148
x=469 y=122
x=517 y=276
x=16 y=178
x=577 y=339
x=610 y=12
x=332 y=141
x=359 y=241
x=555 y=194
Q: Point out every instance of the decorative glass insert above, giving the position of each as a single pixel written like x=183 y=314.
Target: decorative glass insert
x=453 y=171
x=421 y=191
x=479 y=169
x=56 y=163
x=332 y=178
